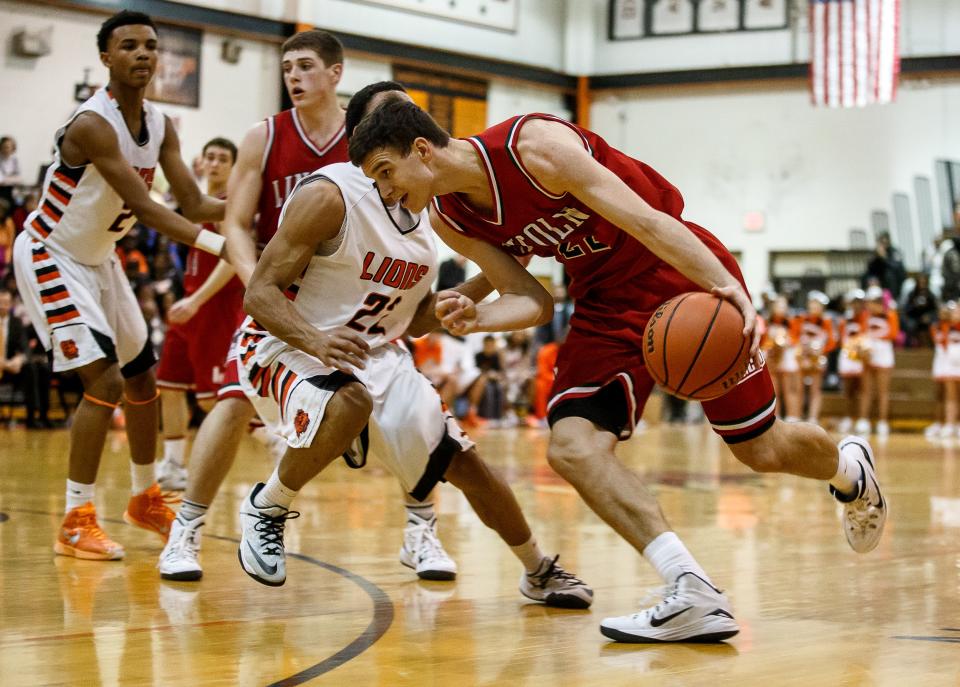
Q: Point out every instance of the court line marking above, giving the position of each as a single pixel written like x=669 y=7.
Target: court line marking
x=383 y=612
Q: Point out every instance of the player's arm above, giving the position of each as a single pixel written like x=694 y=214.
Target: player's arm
x=243 y=195
x=185 y=308
x=91 y=139
x=195 y=205
x=523 y=302
x=425 y=319
x=314 y=214
x=555 y=155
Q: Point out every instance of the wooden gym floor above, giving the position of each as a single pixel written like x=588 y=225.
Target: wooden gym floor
x=811 y=611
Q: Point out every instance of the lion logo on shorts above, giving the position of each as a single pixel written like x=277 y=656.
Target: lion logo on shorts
x=69 y=349
x=300 y=421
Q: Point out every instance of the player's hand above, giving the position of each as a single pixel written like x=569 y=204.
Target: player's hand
x=341 y=348
x=456 y=312
x=182 y=311
x=737 y=296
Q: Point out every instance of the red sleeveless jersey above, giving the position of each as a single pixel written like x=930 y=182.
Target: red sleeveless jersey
x=199 y=265
x=601 y=259
x=289 y=156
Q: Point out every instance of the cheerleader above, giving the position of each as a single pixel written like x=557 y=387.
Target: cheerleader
x=816 y=337
x=853 y=351
x=946 y=369
x=882 y=329
x=779 y=350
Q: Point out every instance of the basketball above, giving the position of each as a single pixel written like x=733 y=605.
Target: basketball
x=694 y=346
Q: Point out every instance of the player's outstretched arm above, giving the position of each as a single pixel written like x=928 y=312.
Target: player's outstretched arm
x=195 y=205
x=425 y=319
x=91 y=138
x=314 y=214
x=555 y=155
x=243 y=194
x=523 y=302
x=184 y=309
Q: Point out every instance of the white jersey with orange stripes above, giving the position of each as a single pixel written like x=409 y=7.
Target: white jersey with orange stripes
x=377 y=270
x=80 y=214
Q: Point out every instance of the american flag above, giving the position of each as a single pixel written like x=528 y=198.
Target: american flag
x=855 y=57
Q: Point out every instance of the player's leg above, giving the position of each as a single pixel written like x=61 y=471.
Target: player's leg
x=425 y=555
x=744 y=419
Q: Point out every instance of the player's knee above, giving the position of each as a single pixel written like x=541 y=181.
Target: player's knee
x=106 y=385
x=466 y=469
x=569 y=454
x=141 y=387
x=352 y=403
x=759 y=455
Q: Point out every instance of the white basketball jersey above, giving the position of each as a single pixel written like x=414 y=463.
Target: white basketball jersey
x=374 y=280
x=80 y=213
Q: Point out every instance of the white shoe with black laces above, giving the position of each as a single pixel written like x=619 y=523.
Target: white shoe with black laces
x=423 y=551
x=555 y=587
x=692 y=610
x=180 y=558
x=865 y=511
x=261 y=551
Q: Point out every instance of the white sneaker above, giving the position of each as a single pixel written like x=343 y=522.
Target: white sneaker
x=693 y=610
x=261 y=540
x=845 y=425
x=180 y=558
x=423 y=551
x=171 y=476
x=947 y=432
x=883 y=430
x=864 y=514
x=933 y=431
x=554 y=586
x=862 y=427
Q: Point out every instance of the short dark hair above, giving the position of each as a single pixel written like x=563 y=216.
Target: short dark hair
x=220 y=142
x=357 y=107
x=395 y=124
x=121 y=18
x=326 y=45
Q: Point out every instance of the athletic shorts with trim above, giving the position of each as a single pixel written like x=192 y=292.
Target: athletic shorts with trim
x=82 y=313
x=409 y=430
x=230 y=386
x=194 y=354
x=605 y=347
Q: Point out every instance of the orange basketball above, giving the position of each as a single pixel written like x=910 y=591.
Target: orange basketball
x=694 y=346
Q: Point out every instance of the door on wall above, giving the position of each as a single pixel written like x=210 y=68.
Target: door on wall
x=458 y=103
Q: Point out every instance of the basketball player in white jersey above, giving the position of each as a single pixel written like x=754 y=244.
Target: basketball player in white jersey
x=273 y=155
x=74 y=288
x=328 y=375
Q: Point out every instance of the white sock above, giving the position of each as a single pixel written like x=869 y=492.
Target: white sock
x=670 y=558
x=529 y=554
x=275 y=493
x=423 y=511
x=78 y=494
x=848 y=474
x=142 y=477
x=190 y=510
x=174 y=450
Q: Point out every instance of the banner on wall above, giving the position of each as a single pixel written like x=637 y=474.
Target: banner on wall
x=855 y=57
x=496 y=14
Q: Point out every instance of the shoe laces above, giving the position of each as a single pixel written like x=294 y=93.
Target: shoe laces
x=553 y=572
x=188 y=543
x=426 y=544
x=86 y=520
x=159 y=502
x=270 y=528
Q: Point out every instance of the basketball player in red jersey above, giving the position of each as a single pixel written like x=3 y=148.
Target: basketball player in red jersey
x=73 y=286
x=537 y=184
x=273 y=156
x=201 y=325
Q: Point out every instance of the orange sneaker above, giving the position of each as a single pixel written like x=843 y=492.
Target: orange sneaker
x=150 y=511
x=81 y=537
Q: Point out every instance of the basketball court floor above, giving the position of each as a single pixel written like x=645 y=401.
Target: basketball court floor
x=811 y=611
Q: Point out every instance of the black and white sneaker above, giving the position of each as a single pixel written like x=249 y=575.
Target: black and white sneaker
x=554 y=586
x=864 y=512
x=692 y=610
x=423 y=551
x=261 y=540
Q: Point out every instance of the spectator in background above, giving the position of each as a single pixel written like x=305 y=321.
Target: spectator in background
x=854 y=351
x=7 y=234
x=949 y=259
x=452 y=272
x=518 y=372
x=9 y=168
x=944 y=422
x=882 y=328
x=919 y=313
x=780 y=350
x=546 y=374
x=13 y=345
x=816 y=337
x=19 y=214
x=490 y=394
x=886 y=266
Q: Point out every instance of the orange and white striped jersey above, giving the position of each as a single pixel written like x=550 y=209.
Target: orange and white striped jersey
x=885 y=327
x=80 y=214
x=852 y=325
x=946 y=333
x=808 y=330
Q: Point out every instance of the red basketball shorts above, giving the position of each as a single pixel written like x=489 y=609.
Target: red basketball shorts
x=194 y=353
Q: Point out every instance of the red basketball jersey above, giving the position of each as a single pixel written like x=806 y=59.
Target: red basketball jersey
x=289 y=156
x=600 y=258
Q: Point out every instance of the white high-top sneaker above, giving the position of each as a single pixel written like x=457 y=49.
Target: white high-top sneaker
x=864 y=513
x=423 y=551
x=171 y=476
x=180 y=558
x=261 y=540
x=692 y=610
